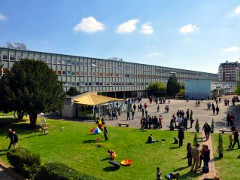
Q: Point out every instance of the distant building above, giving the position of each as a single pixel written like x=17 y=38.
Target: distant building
x=114 y=78
x=198 y=89
x=228 y=76
x=228 y=71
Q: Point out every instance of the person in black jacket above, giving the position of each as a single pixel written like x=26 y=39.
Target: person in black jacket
x=10 y=136
x=236 y=138
x=180 y=136
x=206 y=159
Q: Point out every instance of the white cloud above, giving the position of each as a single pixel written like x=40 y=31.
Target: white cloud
x=154 y=54
x=89 y=25
x=237 y=10
x=2 y=17
x=146 y=29
x=232 y=49
x=188 y=28
x=128 y=26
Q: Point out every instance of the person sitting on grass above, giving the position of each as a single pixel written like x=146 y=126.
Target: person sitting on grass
x=150 y=139
x=159 y=174
x=173 y=176
x=112 y=154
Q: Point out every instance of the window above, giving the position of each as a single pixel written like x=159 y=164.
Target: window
x=5 y=57
x=58 y=72
x=63 y=72
x=77 y=73
x=68 y=73
x=12 y=58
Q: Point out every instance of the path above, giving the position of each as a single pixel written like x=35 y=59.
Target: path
x=4 y=176
x=212 y=170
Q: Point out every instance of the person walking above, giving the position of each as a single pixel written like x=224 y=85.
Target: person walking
x=195 y=155
x=105 y=132
x=236 y=139
x=10 y=136
x=207 y=130
x=158 y=108
x=217 y=110
x=180 y=136
x=189 y=154
x=133 y=112
x=15 y=140
x=128 y=115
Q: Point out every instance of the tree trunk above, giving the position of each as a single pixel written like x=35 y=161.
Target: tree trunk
x=33 y=119
x=20 y=115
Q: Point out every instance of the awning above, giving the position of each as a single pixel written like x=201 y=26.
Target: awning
x=93 y=99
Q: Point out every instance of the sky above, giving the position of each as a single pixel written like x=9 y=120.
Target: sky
x=186 y=34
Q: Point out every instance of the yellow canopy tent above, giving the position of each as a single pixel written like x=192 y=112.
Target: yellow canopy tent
x=93 y=100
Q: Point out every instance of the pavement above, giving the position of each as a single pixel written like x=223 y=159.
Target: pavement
x=4 y=175
x=199 y=112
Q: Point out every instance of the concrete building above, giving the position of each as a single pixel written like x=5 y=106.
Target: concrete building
x=198 y=89
x=110 y=77
x=228 y=76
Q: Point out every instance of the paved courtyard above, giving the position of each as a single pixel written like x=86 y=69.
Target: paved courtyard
x=201 y=112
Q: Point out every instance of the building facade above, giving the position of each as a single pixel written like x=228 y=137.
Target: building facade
x=228 y=72
x=93 y=74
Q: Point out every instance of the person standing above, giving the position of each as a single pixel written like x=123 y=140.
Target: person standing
x=206 y=159
x=158 y=108
x=180 y=136
x=159 y=174
x=236 y=138
x=10 y=136
x=207 y=130
x=230 y=140
x=128 y=115
x=15 y=140
x=133 y=112
x=195 y=156
x=217 y=110
x=191 y=115
x=189 y=154
x=134 y=107
x=105 y=132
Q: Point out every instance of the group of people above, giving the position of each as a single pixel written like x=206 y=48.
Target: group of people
x=195 y=157
x=151 y=122
x=12 y=135
x=180 y=119
x=230 y=119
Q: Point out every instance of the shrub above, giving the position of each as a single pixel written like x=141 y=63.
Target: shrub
x=212 y=126
x=195 y=139
x=197 y=126
x=220 y=146
x=59 y=171
x=24 y=162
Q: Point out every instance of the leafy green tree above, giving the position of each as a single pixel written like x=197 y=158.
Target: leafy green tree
x=195 y=139
x=212 y=126
x=173 y=87
x=237 y=89
x=220 y=146
x=31 y=87
x=156 y=88
x=73 y=91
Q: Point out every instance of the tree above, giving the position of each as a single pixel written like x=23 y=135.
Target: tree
x=212 y=126
x=17 y=45
x=31 y=87
x=195 y=139
x=173 y=87
x=156 y=88
x=220 y=146
x=237 y=89
x=73 y=91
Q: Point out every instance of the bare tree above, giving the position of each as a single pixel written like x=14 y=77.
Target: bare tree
x=17 y=45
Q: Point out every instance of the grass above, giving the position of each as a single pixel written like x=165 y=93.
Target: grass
x=6 y=114
x=77 y=147
x=228 y=165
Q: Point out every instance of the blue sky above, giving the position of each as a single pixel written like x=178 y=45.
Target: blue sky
x=196 y=35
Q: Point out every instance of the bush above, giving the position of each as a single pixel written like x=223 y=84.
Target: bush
x=59 y=171
x=24 y=162
x=197 y=126
x=212 y=126
x=195 y=139
x=220 y=146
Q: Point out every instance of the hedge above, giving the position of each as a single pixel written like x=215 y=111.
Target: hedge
x=24 y=162
x=59 y=171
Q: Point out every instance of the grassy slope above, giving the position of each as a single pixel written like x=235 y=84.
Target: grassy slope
x=77 y=148
x=226 y=167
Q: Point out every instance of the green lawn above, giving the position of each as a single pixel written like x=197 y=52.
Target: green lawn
x=77 y=148
x=6 y=114
x=228 y=165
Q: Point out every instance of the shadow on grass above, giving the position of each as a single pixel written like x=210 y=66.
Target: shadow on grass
x=3 y=152
x=105 y=159
x=89 y=141
x=110 y=168
x=41 y=134
x=215 y=159
x=174 y=147
x=190 y=175
x=180 y=169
